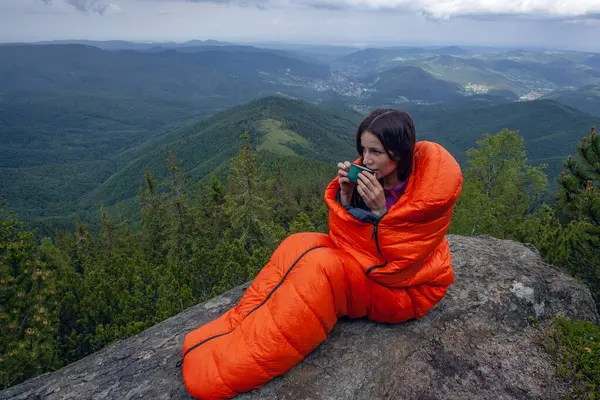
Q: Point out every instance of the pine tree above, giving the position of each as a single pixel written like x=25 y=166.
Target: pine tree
x=579 y=195
x=181 y=227
x=107 y=232
x=155 y=222
x=74 y=258
x=27 y=305
x=178 y=200
x=212 y=226
x=212 y=218
x=284 y=205
x=579 y=205
x=248 y=208
x=302 y=223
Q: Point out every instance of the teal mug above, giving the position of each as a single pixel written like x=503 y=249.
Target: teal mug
x=355 y=169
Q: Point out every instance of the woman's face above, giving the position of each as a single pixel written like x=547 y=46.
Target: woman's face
x=375 y=156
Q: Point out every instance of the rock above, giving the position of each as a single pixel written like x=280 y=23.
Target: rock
x=479 y=342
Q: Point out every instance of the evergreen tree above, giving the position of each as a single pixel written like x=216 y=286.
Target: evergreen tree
x=182 y=230
x=319 y=213
x=248 y=208
x=154 y=217
x=73 y=258
x=283 y=204
x=27 y=305
x=579 y=207
x=302 y=223
x=579 y=196
x=178 y=199
x=213 y=219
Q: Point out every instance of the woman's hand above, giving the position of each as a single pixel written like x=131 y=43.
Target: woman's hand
x=346 y=185
x=372 y=193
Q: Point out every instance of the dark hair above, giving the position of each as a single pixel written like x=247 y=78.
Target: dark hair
x=396 y=132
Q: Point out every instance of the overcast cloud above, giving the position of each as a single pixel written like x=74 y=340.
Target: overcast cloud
x=442 y=9
x=550 y=23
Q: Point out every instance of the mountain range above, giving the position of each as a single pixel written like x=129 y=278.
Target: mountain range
x=81 y=121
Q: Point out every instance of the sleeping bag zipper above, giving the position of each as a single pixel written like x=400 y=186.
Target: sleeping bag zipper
x=254 y=309
x=376 y=237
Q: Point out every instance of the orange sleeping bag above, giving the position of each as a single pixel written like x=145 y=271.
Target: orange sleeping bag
x=390 y=270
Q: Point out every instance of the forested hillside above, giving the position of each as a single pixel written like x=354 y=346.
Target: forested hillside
x=168 y=75
x=75 y=292
x=412 y=83
x=277 y=125
x=586 y=98
x=67 y=112
x=53 y=192
x=550 y=129
x=51 y=174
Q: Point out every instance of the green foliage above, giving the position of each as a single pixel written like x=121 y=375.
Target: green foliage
x=586 y=98
x=28 y=321
x=579 y=207
x=282 y=202
x=106 y=156
x=576 y=346
x=500 y=190
x=502 y=196
x=302 y=223
x=548 y=128
x=86 y=123
x=579 y=196
x=413 y=83
x=206 y=147
x=247 y=205
x=64 y=300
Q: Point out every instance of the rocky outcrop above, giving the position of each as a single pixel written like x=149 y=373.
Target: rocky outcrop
x=479 y=342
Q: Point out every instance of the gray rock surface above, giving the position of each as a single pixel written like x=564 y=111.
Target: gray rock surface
x=478 y=343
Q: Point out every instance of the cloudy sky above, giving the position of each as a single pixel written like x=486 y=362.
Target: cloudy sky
x=568 y=24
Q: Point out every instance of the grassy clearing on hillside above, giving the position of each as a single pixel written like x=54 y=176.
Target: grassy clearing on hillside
x=276 y=138
x=465 y=76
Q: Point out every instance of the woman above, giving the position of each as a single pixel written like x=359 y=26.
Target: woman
x=385 y=140
x=386 y=257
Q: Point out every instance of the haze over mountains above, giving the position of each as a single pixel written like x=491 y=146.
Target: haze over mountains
x=80 y=121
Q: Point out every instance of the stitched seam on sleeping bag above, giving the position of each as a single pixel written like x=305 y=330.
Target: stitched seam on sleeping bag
x=212 y=353
x=258 y=306
x=311 y=310
x=254 y=358
x=347 y=291
x=283 y=334
x=332 y=294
